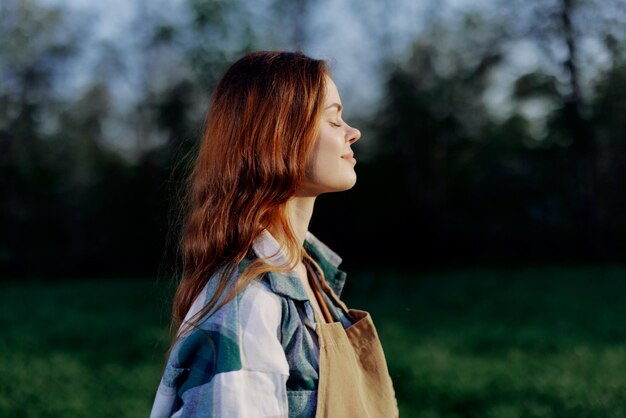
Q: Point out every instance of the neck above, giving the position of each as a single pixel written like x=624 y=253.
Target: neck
x=299 y=211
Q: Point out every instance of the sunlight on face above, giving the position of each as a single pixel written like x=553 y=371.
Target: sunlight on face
x=330 y=167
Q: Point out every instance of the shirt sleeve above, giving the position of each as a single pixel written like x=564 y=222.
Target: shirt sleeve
x=233 y=366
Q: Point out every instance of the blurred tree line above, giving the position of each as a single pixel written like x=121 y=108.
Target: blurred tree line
x=91 y=186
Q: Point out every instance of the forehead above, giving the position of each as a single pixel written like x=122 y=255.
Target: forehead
x=332 y=94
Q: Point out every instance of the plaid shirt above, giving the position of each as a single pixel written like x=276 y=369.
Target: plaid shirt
x=258 y=355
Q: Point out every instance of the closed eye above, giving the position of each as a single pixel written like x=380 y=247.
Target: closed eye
x=337 y=125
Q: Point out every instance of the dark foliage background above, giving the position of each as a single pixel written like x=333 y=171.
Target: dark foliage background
x=485 y=233
x=89 y=183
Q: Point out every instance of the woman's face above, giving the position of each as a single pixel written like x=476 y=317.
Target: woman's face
x=330 y=167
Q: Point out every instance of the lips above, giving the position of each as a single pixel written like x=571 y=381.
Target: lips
x=349 y=157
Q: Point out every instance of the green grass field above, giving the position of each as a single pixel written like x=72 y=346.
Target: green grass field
x=535 y=342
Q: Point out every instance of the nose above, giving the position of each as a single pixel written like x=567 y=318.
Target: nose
x=353 y=135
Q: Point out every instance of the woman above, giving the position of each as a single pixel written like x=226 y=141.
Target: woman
x=261 y=329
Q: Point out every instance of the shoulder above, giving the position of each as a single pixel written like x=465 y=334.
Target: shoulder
x=237 y=345
x=234 y=354
x=256 y=296
x=237 y=335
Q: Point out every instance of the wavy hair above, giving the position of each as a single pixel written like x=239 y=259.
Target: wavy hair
x=259 y=131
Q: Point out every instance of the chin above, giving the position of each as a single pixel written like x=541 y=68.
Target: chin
x=332 y=185
x=347 y=185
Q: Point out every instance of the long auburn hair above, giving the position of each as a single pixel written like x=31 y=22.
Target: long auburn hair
x=260 y=128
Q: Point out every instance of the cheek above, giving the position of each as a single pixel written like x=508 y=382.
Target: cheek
x=328 y=147
x=312 y=160
x=326 y=156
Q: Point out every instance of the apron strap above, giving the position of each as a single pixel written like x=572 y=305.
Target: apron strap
x=319 y=288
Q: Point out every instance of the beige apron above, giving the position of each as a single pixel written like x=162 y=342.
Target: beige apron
x=353 y=376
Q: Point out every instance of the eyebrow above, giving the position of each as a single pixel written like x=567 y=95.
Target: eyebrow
x=337 y=105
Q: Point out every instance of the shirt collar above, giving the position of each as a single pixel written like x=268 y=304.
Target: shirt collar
x=266 y=246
